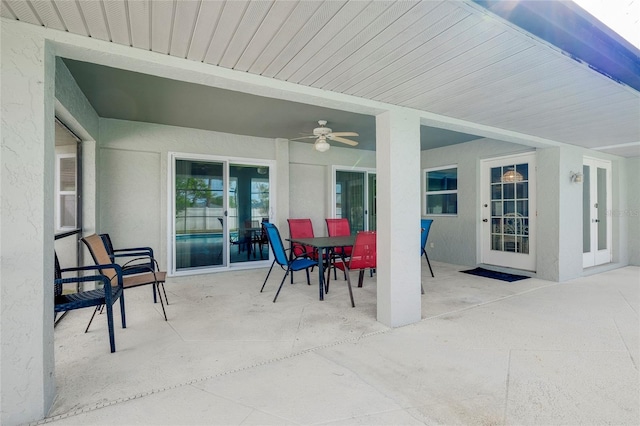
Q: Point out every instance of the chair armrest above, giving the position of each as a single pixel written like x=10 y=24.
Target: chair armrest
x=105 y=280
x=114 y=266
x=145 y=265
x=106 y=283
x=146 y=250
x=132 y=252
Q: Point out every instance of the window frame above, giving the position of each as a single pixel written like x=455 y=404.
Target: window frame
x=61 y=194
x=426 y=193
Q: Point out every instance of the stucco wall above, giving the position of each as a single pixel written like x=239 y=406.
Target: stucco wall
x=78 y=113
x=27 y=384
x=310 y=180
x=133 y=181
x=455 y=238
x=559 y=207
x=133 y=175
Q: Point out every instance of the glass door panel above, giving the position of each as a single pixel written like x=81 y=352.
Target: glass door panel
x=372 y=207
x=596 y=202
x=199 y=211
x=602 y=208
x=350 y=198
x=586 y=209
x=510 y=208
x=248 y=202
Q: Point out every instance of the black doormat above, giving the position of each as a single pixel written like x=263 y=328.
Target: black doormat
x=502 y=276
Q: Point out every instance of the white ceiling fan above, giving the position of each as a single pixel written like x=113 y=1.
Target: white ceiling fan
x=324 y=133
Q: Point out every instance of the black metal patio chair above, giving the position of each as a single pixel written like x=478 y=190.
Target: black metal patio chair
x=112 y=290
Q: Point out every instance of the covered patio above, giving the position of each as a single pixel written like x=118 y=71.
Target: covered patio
x=485 y=352
x=239 y=93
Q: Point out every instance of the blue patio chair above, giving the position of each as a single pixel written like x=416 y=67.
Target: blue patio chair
x=280 y=257
x=110 y=292
x=425 y=225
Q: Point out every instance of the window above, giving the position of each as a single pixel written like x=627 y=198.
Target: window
x=66 y=190
x=441 y=191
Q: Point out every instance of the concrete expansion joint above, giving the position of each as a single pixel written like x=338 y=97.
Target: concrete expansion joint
x=489 y=302
x=205 y=378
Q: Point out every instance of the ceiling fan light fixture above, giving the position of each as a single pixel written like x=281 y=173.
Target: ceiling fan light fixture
x=322 y=145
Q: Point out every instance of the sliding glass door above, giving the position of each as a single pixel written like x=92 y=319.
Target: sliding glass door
x=248 y=208
x=199 y=211
x=355 y=197
x=218 y=209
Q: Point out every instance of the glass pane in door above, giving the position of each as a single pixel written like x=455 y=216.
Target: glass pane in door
x=586 y=209
x=199 y=212
x=510 y=208
x=602 y=208
x=372 y=190
x=350 y=198
x=248 y=208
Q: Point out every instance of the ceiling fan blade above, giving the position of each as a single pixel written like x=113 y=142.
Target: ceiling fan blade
x=304 y=137
x=343 y=140
x=344 y=134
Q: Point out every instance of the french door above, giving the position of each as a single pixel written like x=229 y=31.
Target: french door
x=218 y=207
x=508 y=211
x=355 y=198
x=596 y=202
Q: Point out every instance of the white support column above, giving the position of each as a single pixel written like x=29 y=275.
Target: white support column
x=27 y=384
x=282 y=183
x=398 y=225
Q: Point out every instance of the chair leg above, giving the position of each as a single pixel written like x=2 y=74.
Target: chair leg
x=353 y=305
x=332 y=260
x=268 y=273
x=112 y=338
x=290 y=260
x=282 y=282
x=428 y=263
x=328 y=280
x=361 y=278
x=122 y=314
x=92 y=315
x=161 y=302
x=165 y=294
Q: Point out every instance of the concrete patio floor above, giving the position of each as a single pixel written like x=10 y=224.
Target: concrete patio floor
x=486 y=352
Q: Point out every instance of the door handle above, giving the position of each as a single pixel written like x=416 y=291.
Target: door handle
x=485 y=220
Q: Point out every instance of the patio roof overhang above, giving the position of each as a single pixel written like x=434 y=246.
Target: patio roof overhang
x=452 y=60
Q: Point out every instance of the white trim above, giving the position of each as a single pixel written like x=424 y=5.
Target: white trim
x=423 y=186
x=171 y=234
x=507 y=259
x=60 y=193
x=620 y=145
x=367 y=171
x=597 y=257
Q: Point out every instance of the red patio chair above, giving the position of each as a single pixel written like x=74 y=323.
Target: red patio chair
x=335 y=228
x=363 y=256
x=301 y=228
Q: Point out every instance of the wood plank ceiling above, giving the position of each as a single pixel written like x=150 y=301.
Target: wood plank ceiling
x=446 y=57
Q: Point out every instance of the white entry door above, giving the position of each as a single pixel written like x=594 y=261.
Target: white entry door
x=509 y=212
x=596 y=202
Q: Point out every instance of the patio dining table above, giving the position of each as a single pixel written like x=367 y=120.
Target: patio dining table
x=324 y=244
